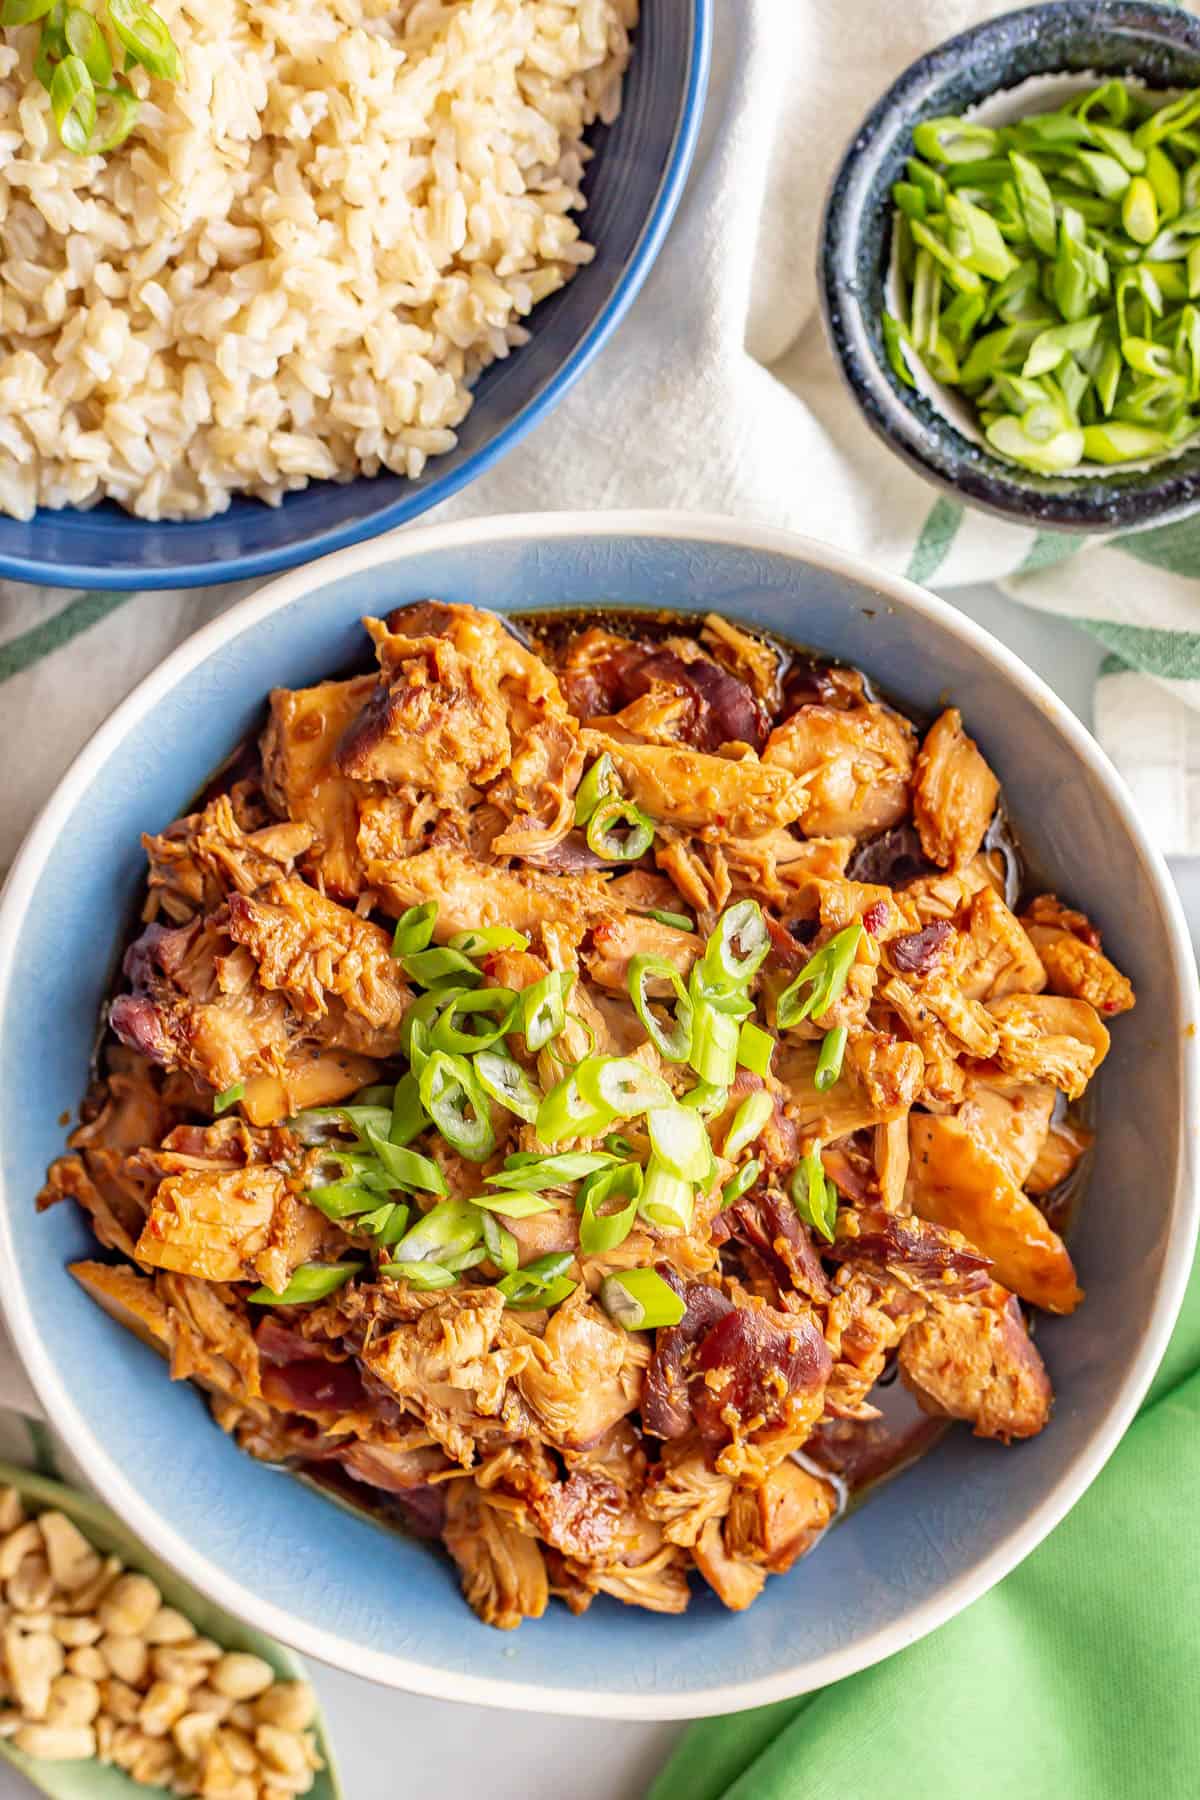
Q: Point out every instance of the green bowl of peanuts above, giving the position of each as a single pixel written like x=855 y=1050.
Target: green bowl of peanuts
x=117 y=1678
x=1011 y=265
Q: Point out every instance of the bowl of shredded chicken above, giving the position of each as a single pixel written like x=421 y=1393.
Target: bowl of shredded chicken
x=600 y=1092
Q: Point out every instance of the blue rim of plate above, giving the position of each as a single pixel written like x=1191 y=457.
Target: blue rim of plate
x=640 y=261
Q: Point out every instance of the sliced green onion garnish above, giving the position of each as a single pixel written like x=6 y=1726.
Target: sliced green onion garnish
x=600 y=1231
x=380 y=1093
x=714 y=1047
x=814 y=1195
x=343 y=1199
x=421 y=1013
x=675 y=1044
x=748 y=1122
x=495 y=1008
x=622 y=1084
x=502 y=1246
x=535 y=1174
x=409 y=1118
x=387 y=1224
x=458 y=1106
x=86 y=41
x=679 y=1141
x=755 y=1048
x=617 y=1144
x=340 y=1166
x=823 y=975
x=407 y=1168
x=465 y=1259
x=447 y=1229
x=738 y=946
x=640 y=1300
x=522 y=1203
x=506 y=1081
x=73 y=103
x=486 y=938
x=228 y=1097
x=706 y=1099
x=544 y=1007
x=667 y=1201
x=23 y=12
x=829 y=1062
x=542 y=1282
x=598 y=784
x=565 y=1114
x=619 y=831
x=145 y=37
x=680 y=921
x=738 y=1184
x=708 y=987
x=423 y=1275
x=414 y=929
x=318 y=1124
x=432 y=968
x=311 y=1281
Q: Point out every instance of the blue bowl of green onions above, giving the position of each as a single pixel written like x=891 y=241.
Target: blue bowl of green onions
x=1010 y=265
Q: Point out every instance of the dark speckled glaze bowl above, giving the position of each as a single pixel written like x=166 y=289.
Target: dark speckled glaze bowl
x=1157 y=45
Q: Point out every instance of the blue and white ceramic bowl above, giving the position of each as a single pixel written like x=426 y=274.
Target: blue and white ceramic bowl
x=337 y=1587
x=633 y=186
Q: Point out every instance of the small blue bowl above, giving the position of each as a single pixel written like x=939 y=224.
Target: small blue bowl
x=335 y=1586
x=633 y=186
x=1155 y=45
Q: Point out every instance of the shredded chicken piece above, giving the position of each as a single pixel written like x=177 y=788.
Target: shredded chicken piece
x=699 y=793
x=737 y=1581
x=197 y=861
x=502 y=1569
x=997 y=955
x=685 y=1492
x=301 y=779
x=855 y=764
x=470 y=894
x=1069 y=946
x=954 y=793
x=582 y=1376
x=1009 y=1118
x=778 y=1519
x=973 y=1359
x=1045 y=1038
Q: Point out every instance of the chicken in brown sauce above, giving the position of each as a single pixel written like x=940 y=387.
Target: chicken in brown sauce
x=558 y=1078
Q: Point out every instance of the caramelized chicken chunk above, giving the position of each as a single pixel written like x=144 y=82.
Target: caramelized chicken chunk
x=973 y=1359
x=954 y=793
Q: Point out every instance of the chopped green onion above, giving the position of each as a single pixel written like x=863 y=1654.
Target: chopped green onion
x=447 y=1229
x=755 y=1048
x=499 y=1004
x=465 y=1259
x=311 y=1281
x=414 y=929
x=433 y=967
x=228 y=1097
x=748 y=1121
x=380 y=1093
x=522 y=1204
x=316 y=1123
x=343 y=1199
x=120 y=109
x=451 y=1095
x=829 y=1062
x=679 y=921
x=407 y=1168
x=86 y=41
x=565 y=1113
x=814 y=1195
x=408 y=1115
x=422 y=1275
x=534 y=1174
x=618 y=1145
x=672 y=1045
x=486 y=938
x=714 y=1046
x=738 y=1184
x=145 y=37
x=706 y=1099
x=951 y=140
x=824 y=975
x=640 y=1300
x=619 y=831
x=544 y=1008
x=598 y=784
x=541 y=1283
x=505 y=1080
x=622 y=1084
x=23 y=12
x=668 y=1201
x=73 y=103
x=603 y=1231
x=738 y=946
x=501 y=1245
x=387 y=1224
x=679 y=1141
x=421 y=1015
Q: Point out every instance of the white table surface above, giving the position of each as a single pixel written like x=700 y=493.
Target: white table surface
x=392 y=1744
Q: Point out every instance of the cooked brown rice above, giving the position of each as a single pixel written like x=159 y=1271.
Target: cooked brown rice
x=306 y=252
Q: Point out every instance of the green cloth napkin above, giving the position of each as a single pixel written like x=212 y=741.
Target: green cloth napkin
x=1078 y=1677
